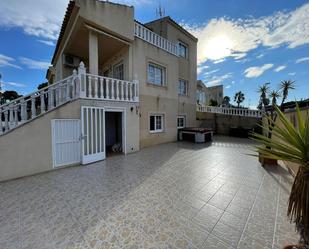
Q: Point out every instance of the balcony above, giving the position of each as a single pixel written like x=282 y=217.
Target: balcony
x=149 y=36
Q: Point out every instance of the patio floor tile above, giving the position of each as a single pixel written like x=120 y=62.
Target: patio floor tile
x=176 y=195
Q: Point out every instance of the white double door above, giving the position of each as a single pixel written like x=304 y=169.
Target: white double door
x=93 y=134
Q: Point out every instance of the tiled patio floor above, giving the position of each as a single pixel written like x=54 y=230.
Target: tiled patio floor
x=177 y=195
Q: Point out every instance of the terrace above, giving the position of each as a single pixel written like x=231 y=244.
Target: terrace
x=176 y=195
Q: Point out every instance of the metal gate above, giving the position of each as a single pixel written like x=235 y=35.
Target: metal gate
x=66 y=142
x=93 y=134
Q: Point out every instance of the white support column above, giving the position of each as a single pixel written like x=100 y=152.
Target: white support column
x=6 y=120
x=95 y=87
x=16 y=116
x=93 y=53
x=74 y=83
x=50 y=98
x=23 y=110
x=1 y=125
x=42 y=103
x=33 y=110
x=11 y=116
x=82 y=80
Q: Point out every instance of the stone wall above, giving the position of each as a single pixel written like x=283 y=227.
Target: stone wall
x=221 y=124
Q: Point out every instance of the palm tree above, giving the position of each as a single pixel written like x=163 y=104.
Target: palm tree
x=285 y=87
x=239 y=98
x=292 y=144
x=274 y=95
x=263 y=90
x=226 y=100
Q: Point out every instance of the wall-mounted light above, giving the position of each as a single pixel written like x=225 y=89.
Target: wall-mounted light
x=137 y=109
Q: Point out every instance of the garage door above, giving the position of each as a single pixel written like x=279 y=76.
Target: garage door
x=66 y=142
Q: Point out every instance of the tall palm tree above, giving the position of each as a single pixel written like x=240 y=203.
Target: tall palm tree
x=285 y=87
x=239 y=98
x=274 y=95
x=263 y=91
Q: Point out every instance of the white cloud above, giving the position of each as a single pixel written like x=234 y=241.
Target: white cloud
x=41 y=18
x=201 y=68
x=223 y=37
x=218 y=61
x=211 y=72
x=302 y=59
x=6 y=61
x=14 y=84
x=47 y=42
x=260 y=56
x=37 y=18
x=228 y=86
x=280 y=68
x=292 y=74
x=217 y=80
x=253 y=72
x=33 y=64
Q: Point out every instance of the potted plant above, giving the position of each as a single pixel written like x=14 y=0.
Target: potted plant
x=289 y=143
x=267 y=104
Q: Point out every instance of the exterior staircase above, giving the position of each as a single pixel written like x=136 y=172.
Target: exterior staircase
x=79 y=85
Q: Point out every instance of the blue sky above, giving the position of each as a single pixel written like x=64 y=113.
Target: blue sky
x=242 y=43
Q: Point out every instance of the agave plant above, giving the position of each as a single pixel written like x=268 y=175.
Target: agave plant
x=290 y=143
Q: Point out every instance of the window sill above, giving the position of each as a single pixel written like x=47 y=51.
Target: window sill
x=155 y=132
x=156 y=86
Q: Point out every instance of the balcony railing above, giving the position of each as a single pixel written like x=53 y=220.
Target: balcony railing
x=104 y=88
x=151 y=37
x=230 y=111
x=78 y=85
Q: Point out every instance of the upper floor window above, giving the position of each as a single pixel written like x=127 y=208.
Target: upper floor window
x=201 y=98
x=118 y=71
x=183 y=87
x=183 y=50
x=156 y=74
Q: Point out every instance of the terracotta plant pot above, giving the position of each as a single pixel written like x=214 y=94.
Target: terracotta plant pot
x=267 y=161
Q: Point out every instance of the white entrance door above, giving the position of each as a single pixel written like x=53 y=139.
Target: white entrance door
x=93 y=134
x=66 y=142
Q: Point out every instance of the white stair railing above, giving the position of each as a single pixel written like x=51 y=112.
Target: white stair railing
x=230 y=111
x=78 y=85
x=28 y=107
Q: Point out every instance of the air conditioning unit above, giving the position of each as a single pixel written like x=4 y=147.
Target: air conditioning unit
x=70 y=61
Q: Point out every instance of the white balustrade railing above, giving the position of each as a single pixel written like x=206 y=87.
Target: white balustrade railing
x=105 y=88
x=230 y=111
x=78 y=85
x=149 y=36
x=30 y=106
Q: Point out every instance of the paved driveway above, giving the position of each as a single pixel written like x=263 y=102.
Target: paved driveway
x=177 y=195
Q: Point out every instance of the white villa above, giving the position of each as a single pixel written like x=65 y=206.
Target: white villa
x=115 y=84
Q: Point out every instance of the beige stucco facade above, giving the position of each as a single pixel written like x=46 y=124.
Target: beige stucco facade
x=111 y=41
x=206 y=94
x=33 y=152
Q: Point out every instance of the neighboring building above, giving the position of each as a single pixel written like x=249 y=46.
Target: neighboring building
x=206 y=94
x=135 y=85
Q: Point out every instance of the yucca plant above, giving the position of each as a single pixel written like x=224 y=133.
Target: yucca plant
x=289 y=143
